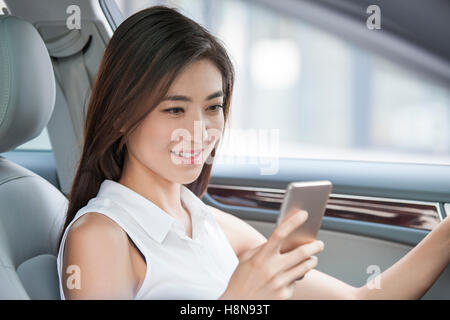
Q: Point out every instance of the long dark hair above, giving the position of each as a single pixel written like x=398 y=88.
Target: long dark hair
x=144 y=56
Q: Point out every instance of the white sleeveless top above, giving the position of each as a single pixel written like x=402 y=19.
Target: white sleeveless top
x=178 y=267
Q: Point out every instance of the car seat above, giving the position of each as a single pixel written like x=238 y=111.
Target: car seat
x=32 y=210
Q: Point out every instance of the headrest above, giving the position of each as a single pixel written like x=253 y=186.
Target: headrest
x=27 y=83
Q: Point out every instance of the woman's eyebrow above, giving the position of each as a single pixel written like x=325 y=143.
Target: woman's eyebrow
x=186 y=98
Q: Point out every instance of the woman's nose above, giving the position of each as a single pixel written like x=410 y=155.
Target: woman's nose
x=197 y=125
x=194 y=134
x=199 y=133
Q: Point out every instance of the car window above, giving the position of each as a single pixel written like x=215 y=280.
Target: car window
x=40 y=143
x=301 y=92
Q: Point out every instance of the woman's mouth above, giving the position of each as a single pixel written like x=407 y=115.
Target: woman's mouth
x=193 y=157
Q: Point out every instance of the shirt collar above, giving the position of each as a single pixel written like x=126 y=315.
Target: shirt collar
x=154 y=221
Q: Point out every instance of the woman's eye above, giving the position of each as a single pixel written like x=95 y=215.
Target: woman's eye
x=216 y=107
x=174 y=110
x=178 y=110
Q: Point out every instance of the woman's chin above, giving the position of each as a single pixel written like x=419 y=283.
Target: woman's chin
x=188 y=179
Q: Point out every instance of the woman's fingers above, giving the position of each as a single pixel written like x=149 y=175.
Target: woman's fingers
x=296 y=273
x=273 y=244
x=301 y=253
x=265 y=272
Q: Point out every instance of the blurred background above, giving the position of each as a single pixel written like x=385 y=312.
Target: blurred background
x=325 y=96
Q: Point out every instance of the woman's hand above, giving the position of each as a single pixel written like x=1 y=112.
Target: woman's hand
x=265 y=273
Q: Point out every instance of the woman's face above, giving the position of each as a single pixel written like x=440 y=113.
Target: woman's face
x=189 y=121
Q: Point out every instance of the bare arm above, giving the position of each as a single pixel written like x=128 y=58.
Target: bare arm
x=414 y=274
x=97 y=262
x=409 y=278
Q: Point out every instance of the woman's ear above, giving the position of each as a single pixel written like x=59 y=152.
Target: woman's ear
x=116 y=125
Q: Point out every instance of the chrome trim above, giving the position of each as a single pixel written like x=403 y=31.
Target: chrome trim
x=447 y=209
x=223 y=186
x=428 y=203
x=348 y=203
x=270 y=194
x=342 y=196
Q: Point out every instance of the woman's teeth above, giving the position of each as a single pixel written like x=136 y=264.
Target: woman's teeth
x=185 y=154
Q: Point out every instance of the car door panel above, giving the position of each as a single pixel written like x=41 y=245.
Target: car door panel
x=377 y=221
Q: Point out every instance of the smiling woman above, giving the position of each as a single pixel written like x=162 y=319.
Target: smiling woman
x=135 y=226
x=153 y=143
x=156 y=114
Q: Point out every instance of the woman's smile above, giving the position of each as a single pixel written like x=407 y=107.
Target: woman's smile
x=185 y=157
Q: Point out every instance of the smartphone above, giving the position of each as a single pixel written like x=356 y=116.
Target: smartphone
x=311 y=196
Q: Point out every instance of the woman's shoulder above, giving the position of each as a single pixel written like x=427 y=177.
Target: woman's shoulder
x=95 y=233
x=99 y=212
x=92 y=224
x=99 y=247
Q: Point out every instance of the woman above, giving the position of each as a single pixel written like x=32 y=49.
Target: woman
x=136 y=227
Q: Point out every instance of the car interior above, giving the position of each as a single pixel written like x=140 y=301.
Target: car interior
x=377 y=211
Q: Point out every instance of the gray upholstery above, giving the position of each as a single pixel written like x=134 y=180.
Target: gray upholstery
x=44 y=286
x=32 y=210
x=27 y=83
